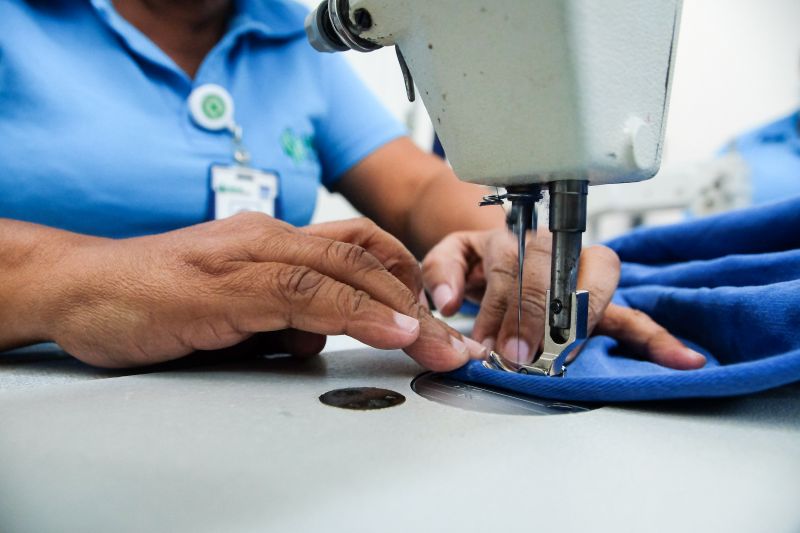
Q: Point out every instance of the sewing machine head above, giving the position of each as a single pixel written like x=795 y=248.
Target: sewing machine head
x=526 y=94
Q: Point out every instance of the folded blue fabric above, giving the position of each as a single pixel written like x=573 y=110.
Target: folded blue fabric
x=728 y=285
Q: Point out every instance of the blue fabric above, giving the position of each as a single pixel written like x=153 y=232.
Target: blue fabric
x=772 y=155
x=728 y=285
x=95 y=134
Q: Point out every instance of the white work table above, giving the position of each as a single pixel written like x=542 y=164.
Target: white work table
x=247 y=446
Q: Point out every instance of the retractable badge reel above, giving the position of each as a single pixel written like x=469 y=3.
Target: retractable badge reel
x=238 y=187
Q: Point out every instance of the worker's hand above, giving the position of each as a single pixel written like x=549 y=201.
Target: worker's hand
x=482 y=267
x=151 y=299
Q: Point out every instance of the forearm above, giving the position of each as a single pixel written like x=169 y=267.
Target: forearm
x=415 y=196
x=30 y=279
x=446 y=205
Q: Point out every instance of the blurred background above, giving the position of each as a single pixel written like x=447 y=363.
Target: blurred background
x=737 y=70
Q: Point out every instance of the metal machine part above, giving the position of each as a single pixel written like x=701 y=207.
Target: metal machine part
x=526 y=94
x=362 y=398
x=329 y=28
x=567 y=308
x=567 y=224
x=559 y=343
x=522 y=219
x=483 y=399
x=566 y=323
x=552 y=361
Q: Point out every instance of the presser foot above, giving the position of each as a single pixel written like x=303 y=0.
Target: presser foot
x=552 y=361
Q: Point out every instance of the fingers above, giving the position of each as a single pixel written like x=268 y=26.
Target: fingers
x=446 y=267
x=270 y=241
x=268 y=297
x=521 y=328
x=288 y=341
x=349 y=264
x=516 y=330
x=297 y=343
x=475 y=285
x=438 y=347
x=441 y=348
x=273 y=296
x=383 y=246
x=639 y=334
x=500 y=268
x=332 y=287
x=598 y=273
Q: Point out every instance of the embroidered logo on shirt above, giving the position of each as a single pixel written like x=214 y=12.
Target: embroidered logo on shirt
x=299 y=148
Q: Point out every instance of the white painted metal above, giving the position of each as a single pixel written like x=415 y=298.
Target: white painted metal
x=248 y=447
x=525 y=91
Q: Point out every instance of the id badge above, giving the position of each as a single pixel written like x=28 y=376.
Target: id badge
x=239 y=188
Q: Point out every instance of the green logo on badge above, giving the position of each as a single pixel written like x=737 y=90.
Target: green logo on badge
x=299 y=148
x=213 y=106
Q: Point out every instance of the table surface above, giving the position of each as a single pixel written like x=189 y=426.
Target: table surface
x=247 y=446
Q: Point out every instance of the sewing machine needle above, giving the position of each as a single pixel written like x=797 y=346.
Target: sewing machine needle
x=526 y=220
x=521 y=219
x=521 y=234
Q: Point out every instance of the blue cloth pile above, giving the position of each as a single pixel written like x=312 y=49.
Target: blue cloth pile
x=728 y=286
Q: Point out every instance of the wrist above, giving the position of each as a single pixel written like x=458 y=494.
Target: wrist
x=35 y=275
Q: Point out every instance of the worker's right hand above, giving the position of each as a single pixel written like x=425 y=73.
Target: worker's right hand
x=482 y=267
x=117 y=303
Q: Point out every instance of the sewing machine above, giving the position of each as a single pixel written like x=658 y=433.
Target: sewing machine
x=530 y=96
x=247 y=445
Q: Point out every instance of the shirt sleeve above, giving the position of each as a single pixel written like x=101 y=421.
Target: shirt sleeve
x=354 y=123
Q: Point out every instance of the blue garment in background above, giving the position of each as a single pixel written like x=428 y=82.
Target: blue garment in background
x=728 y=285
x=772 y=155
x=96 y=137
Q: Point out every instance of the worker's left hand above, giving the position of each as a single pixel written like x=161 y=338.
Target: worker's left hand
x=482 y=267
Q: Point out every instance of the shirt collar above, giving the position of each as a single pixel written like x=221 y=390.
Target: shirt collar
x=274 y=19
x=269 y=19
x=135 y=40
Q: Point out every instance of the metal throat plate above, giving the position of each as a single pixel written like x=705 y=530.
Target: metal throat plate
x=483 y=399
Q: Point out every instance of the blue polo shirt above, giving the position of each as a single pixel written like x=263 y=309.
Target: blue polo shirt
x=95 y=132
x=772 y=154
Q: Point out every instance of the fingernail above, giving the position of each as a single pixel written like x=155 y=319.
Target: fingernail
x=517 y=350
x=697 y=356
x=442 y=295
x=423 y=299
x=459 y=345
x=476 y=349
x=489 y=343
x=405 y=322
